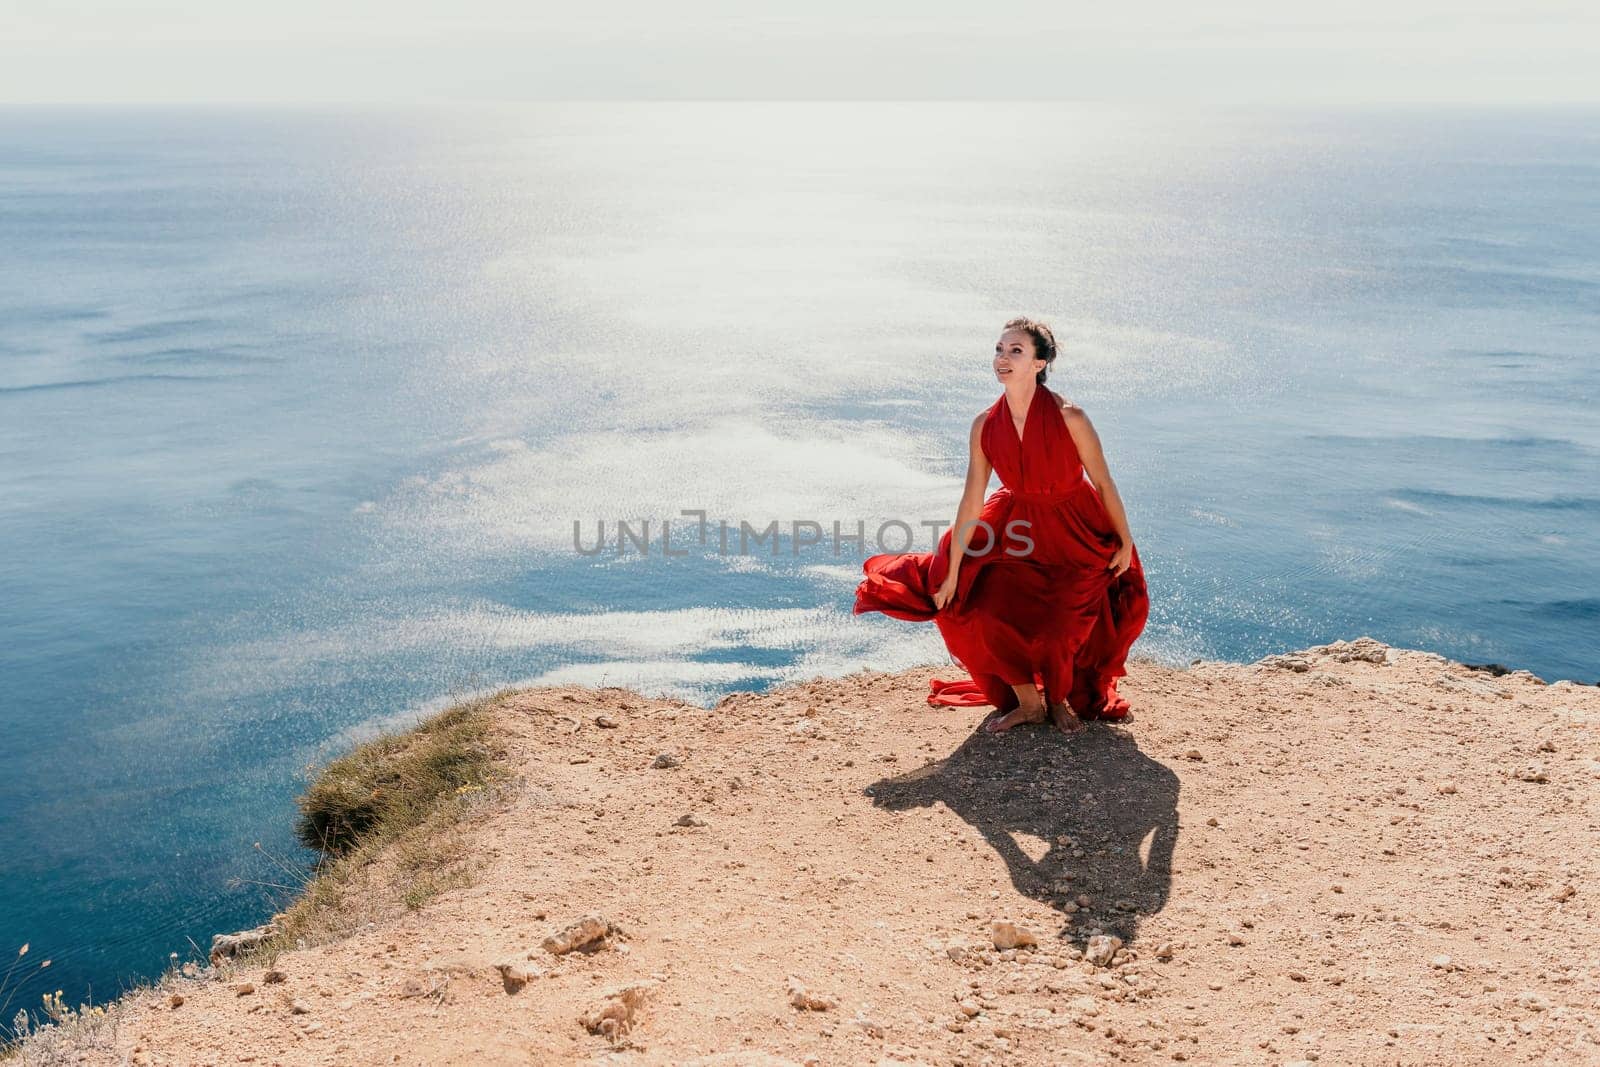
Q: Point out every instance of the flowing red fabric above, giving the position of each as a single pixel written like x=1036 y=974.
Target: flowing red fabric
x=1034 y=601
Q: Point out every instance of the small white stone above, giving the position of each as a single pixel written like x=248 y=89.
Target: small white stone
x=1101 y=949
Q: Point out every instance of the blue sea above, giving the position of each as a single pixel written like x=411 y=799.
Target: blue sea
x=299 y=410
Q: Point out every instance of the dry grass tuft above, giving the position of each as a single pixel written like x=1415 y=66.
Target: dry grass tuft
x=386 y=818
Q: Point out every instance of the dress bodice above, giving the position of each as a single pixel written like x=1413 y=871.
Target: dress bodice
x=1044 y=463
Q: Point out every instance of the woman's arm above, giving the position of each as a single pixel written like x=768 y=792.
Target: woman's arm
x=971 y=505
x=1094 y=461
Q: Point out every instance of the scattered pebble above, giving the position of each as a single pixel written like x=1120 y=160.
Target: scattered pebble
x=589 y=931
x=517 y=972
x=616 y=1015
x=804 y=1000
x=1008 y=935
x=415 y=987
x=1101 y=948
x=1532 y=1001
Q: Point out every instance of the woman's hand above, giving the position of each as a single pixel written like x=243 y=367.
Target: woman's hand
x=1122 y=560
x=946 y=593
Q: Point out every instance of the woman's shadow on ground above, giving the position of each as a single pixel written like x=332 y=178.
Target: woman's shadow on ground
x=1107 y=812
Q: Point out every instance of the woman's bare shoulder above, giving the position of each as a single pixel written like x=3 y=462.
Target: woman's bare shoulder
x=1069 y=410
x=975 y=434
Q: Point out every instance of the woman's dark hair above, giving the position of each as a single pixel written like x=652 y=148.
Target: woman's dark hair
x=1044 y=342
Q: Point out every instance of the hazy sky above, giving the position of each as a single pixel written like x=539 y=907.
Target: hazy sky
x=405 y=50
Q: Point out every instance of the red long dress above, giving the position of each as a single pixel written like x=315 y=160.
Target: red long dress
x=1037 y=605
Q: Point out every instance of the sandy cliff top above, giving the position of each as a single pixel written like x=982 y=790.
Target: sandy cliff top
x=1350 y=854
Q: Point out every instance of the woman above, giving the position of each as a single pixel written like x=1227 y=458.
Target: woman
x=1043 y=589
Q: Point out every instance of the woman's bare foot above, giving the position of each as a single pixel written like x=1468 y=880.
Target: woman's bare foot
x=1063 y=718
x=1023 y=713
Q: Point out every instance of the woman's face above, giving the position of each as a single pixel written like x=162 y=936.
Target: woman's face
x=1013 y=357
